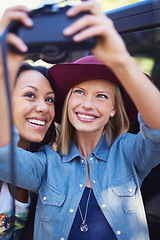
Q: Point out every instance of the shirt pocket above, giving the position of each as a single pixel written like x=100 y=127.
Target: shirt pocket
x=126 y=193
x=50 y=202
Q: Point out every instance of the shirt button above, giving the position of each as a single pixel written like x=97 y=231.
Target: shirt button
x=103 y=205
x=82 y=161
x=62 y=238
x=94 y=181
x=91 y=158
x=118 y=232
x=44 y=198
x=80 y=185
x=71 y=210
x=130 y=190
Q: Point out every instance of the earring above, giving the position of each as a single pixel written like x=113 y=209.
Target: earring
x=112 y=114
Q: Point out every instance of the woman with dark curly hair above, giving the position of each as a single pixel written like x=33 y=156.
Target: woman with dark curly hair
x=33 y=114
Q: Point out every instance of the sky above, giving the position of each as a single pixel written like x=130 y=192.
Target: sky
x=37 y=3
x=29 y=3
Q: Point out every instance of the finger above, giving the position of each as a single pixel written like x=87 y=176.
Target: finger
x=15 y=13
x=93 y=32
x=16 y=42
x=18 y=16
x=85 y=22
x=18 y=8
x=92 y=6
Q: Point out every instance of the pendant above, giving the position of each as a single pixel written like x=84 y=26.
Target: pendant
x=84 y=227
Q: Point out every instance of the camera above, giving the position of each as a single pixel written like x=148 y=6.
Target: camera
x=45 y=39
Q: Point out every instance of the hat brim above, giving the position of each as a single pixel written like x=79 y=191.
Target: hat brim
x=67 y=75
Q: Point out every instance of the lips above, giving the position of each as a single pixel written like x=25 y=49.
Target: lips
x=86 y=117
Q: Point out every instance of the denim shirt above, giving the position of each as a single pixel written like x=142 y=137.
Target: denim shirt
x=116 y=176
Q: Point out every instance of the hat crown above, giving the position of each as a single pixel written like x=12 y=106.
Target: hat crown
x=88 y=60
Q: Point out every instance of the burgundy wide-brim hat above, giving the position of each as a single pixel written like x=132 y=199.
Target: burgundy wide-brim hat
x=67 y=75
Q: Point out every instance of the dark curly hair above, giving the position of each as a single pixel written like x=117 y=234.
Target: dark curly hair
x=50 y=135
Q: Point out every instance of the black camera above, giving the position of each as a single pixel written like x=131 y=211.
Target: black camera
x=45 y=39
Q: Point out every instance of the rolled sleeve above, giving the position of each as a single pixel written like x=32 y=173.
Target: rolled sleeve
x=5 y=150
x=148 y=133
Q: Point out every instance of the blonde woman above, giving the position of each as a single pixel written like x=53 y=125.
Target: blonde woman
x=90 y=188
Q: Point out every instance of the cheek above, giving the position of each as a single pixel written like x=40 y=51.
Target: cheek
x=102 y=107
x=70 y=105
x=19 y=120
x=19 y=105
x=70 y=110
x=52 y=113
x=104 y=111
x=73 y=102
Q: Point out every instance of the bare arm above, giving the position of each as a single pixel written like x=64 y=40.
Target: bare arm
x=111 y=50
x=13 y=63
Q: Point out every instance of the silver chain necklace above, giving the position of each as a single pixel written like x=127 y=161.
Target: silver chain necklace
x=84 y=226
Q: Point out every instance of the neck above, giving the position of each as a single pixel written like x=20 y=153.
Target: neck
x=23 y=144
x=87 y=142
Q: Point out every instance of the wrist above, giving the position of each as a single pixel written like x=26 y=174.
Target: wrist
x=123 y=62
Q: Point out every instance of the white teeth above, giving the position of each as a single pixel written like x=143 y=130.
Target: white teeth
x=85 y=116
x=37 y=122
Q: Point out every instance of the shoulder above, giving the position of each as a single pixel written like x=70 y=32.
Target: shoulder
x=49 y=151
x=124 y=139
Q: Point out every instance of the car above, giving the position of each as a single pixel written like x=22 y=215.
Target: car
x=139 y=26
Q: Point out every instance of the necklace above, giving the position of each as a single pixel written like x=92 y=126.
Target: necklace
x=84 y=226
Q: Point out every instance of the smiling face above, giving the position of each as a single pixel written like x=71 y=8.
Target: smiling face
x=90 y=106
x=33 y=107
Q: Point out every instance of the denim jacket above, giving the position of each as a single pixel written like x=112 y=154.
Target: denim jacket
x=116 y=175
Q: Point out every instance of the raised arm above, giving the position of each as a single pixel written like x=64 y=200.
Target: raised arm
x=13 y=63
x=111 y=50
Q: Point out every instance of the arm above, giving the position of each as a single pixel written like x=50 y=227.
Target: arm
x=13 y=63
x=28 y=175
x=111 y=50
x=143 y=149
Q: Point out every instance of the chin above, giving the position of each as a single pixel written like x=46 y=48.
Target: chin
x=37 y=139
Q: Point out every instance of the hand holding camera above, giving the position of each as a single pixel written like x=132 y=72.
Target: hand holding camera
x=45 y=38
x=15 y=13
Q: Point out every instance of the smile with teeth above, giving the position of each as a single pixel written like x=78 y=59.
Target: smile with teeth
x=37 y=122
x=86 y=116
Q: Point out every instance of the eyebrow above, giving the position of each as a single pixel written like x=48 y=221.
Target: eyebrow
x=50 y=92
x=31 y=87
x=36 y=89
x=100 y=91
x=103 y=92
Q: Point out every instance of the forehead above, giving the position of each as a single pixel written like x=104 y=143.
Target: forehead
x=96 y=83
x=32 y=77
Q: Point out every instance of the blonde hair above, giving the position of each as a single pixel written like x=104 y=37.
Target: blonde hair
x=118 y=124
x=113 y=129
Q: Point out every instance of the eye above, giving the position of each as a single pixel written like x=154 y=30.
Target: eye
x=78 y=91
x=103 y=96
x=50 y=100
x=30 y=95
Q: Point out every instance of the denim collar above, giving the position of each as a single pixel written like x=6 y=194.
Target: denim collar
x=100 y=152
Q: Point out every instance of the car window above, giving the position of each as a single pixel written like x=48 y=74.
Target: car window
x=139 y=25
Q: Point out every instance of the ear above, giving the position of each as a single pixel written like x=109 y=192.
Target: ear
x=113 y=112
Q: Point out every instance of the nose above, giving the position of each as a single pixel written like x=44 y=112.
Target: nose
x=41 y=106
x=88 y=103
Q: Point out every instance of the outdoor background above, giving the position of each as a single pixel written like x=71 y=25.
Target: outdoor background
x=106 y=4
